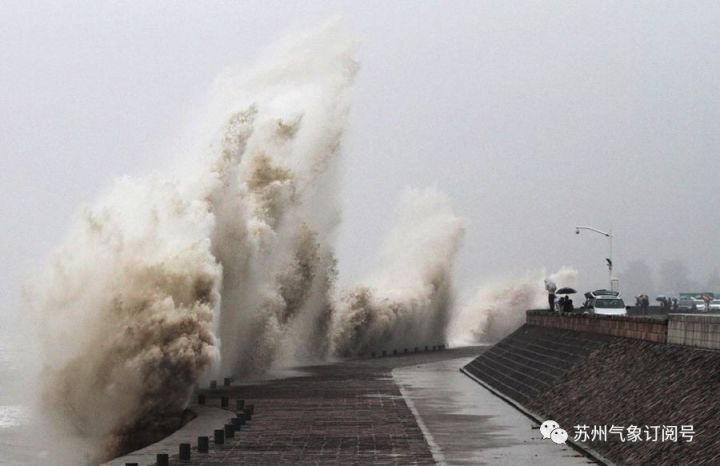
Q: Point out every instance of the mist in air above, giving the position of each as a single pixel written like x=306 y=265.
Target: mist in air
x=229 y=267
x=334 y=196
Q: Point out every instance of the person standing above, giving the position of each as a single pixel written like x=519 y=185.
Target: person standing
x=550 y=286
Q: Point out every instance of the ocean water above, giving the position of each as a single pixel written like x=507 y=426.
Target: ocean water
x=15 y=438
x=24 y=434
x=28 y=435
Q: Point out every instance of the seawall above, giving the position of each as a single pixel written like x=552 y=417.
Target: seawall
x=640 y=328
x=616 y=371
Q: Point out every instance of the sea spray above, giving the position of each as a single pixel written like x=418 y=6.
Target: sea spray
x=127 y=308
x=496 y=309
x=407 y=302
x=228 y=268
x=275 y=201
x=223 y=269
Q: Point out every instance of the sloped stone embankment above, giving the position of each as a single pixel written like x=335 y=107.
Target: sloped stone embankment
x=580 y=378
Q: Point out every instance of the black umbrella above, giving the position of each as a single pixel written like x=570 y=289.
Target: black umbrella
x=565 y=291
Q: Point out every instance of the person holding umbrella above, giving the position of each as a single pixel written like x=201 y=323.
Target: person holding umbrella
x=567 y=302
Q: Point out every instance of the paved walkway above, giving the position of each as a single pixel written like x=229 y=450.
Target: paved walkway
x=468 y=425
x=349 y=413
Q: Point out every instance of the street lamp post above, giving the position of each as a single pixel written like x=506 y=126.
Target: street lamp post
x=609 y=236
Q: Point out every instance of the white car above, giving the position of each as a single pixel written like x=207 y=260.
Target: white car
x=700 y=305
x=607 y=306
x=715 y=305
x=687 y=304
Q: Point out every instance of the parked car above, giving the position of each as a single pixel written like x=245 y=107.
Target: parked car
x=700 y=305
x=688 y=304
x=715 y=304
x=604 y=292
x=591 y=295
x=606 y=305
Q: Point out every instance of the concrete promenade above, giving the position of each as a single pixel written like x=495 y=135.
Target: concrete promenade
x=349 y=413
x=468 y=425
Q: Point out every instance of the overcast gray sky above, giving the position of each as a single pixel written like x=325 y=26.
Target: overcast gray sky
x=532 y=116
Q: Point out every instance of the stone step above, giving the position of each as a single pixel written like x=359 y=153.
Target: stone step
x=499 y=381
x=571 y=337
x=558 y=343
x=526 y=375
x=533 y=359
x=559 y=346
x=519 y=382
x=514 y=371
x=556 y=359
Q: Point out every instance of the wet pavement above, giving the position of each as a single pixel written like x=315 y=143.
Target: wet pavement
x=467 y=425
x=344 y=413
x=411 y=409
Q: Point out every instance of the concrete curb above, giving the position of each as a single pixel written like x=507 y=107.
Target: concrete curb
x=580 y=447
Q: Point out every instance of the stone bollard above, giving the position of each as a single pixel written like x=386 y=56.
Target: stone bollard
x=219 y=436
x=384 y=353
x=239 y=405
x=426 y=348
x=405 y=351
x=162 y=459
x=201 y=399
x=213 y=385
x=238 y=422
x=203 y=444
x=227 y=381
x=229 y=431
x=394 y=352
x=184 y=451
x=224 y=402
x=372 y=354
x=416 y=349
